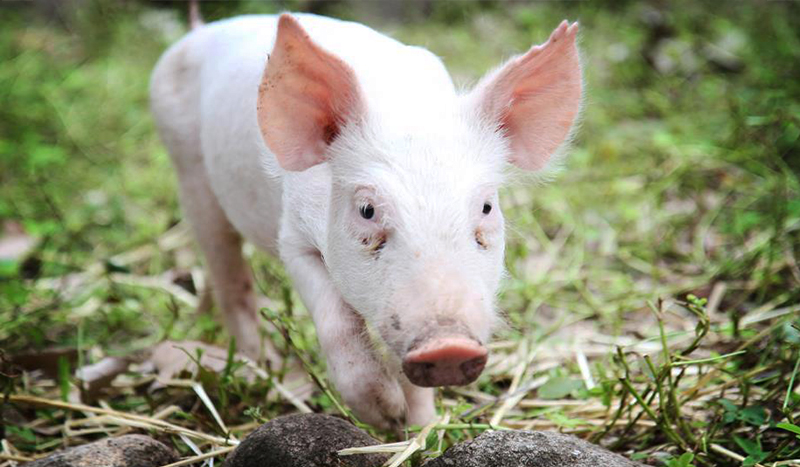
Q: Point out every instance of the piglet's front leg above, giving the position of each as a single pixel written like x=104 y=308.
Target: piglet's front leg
x=363 y=381
x=421 y=409
x=358 y=373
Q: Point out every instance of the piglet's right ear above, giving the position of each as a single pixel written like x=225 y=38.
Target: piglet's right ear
x=535 y=98
x=305 y=96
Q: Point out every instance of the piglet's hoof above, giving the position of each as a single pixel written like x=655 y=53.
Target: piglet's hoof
x=304 y=440
x=529 y=449
x=125 y=451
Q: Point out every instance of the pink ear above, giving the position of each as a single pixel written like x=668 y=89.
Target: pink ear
x=305 y=95
x=535 y=97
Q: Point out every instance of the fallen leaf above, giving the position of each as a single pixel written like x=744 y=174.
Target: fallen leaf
x=169 y=358
x=45 y=360
x=98 y=376
x=14 y=242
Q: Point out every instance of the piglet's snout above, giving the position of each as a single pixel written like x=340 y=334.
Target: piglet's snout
x=445 y=361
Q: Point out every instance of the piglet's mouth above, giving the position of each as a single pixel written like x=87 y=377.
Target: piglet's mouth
x=445 y=361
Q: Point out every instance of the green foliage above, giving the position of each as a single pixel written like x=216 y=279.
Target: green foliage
x=754 y=415
x=684 y=461
x=255 y=414
x=791 y=427
x=753 y=450
x=559 y=387
x=565 y=421
x=64 y=377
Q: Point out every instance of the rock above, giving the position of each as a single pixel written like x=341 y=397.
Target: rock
x=125 y=451
x=304 y=440
x=528 y=449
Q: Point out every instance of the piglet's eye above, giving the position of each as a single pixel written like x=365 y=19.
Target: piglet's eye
x=367 y=211
x=487 y=208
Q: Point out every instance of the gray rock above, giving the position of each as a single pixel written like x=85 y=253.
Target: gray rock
x=529 y=449
x=125 y=451
x=304 y=440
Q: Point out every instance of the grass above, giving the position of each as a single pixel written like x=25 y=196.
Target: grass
x=653 y=290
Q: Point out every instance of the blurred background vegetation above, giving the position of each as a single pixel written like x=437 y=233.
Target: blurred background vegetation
x=683 y=180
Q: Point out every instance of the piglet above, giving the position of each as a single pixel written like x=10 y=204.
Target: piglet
x=355 y=159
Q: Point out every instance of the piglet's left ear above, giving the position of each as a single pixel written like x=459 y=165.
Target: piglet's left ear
x=535 y=97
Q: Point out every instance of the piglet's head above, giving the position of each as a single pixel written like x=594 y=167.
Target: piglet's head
x=415 y=233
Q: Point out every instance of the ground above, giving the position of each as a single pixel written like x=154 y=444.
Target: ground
x=653 y=285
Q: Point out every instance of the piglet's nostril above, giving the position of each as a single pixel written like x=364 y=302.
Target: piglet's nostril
x=473 y=368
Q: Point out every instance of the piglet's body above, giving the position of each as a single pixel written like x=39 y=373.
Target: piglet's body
x=354 y=158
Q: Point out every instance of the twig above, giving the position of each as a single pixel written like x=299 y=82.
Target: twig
x=710 y=359
x=201 y=457
x=14 y=457
x=138 y=420
x=728 y=453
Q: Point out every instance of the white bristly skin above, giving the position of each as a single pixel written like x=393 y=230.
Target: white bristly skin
x=354 y=158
